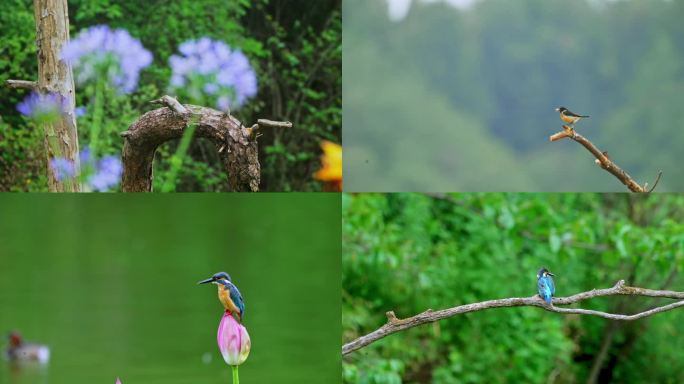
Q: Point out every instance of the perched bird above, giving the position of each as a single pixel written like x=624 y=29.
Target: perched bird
x=228 y=294
x=569 y=117
x=545 y=286
x=18 y=350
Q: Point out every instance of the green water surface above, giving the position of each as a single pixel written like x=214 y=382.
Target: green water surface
x=109 y=283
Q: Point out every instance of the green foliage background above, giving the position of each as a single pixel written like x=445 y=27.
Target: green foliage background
x=411 y=252
x=463 y=100
x=295 y=47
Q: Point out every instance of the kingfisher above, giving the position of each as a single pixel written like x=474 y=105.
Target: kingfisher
x=19 y=350
x=569 y=117
x=228 y=294
x=545 y=285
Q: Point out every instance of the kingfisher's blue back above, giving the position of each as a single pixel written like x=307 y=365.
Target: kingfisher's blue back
x=237 y=299
x=545 y=287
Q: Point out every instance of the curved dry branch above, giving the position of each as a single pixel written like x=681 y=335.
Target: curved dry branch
x=603 y=161
x=236 y=145
x=394 y=324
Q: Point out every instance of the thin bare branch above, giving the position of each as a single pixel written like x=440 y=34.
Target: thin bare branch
x=602 y=159
x=660 y=173
x=22 y=84
x=394 y=324
x=172 y=104
x=273 y=124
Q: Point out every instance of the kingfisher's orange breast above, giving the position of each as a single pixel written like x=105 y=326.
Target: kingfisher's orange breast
x=224 y=298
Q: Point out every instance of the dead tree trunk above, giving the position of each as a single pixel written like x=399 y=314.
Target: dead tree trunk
x=54 y=75
x=235 y=143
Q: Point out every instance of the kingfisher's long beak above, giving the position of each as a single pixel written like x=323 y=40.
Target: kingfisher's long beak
x=550 y=274
x=209 y=280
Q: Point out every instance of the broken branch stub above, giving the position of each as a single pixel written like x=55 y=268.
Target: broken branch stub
x=236 y=147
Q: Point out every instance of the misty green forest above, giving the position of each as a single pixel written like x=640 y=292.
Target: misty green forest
x=411 y=252
x=463 y=100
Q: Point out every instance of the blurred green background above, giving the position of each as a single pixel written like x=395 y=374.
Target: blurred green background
x=461 y=98
x=295 y=47
x=110 y=285
x=411 y=252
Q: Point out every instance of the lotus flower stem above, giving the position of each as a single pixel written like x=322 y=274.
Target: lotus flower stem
x=236 y=377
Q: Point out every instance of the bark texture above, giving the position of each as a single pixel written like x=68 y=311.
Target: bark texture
x=236 y=144
x=54 y=75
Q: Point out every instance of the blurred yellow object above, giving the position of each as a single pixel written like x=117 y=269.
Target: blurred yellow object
x=331 y=169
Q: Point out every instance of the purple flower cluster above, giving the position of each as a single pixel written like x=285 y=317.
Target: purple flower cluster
x=210 y=67
x=63 y=168
x=106 y=172
x=95 y=48
x=39 y=106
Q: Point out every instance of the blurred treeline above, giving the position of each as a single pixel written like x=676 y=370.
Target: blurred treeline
x=411 y=252
x=455 y=99
x=295 y=47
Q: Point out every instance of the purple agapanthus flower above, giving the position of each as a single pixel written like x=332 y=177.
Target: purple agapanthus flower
x=85 y=156
x=39 y=105
x=91 y=51
x=80 y=111
x=107 y=174
x=101 y=175
x=62 y=168
x=224 y=74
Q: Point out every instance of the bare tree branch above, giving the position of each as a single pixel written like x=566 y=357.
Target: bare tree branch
x=273 y=124
x=394 y=324
x=235 y=144
x=22 y=84
x=603 y=161
x=660 y=173
x=264 y=123
x=614 y=326
x=172 y=103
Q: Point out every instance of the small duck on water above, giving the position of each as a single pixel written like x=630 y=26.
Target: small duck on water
x=19 y=351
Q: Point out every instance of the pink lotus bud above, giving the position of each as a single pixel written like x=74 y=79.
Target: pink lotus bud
x=233 y=340
x=118 y=381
